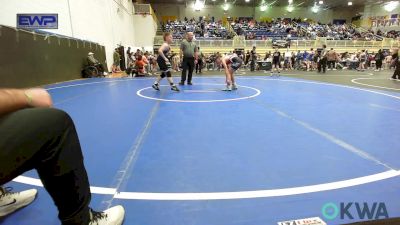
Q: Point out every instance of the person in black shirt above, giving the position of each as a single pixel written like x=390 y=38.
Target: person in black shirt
x=247 y=57
x=322 y=59
x=396 y=62
x=164 y=63
x=253 y=58
x=276 y=61
x=378 y=59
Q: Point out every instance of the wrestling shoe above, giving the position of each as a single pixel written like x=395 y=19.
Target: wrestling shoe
x=175 y=88
x=111 y=216
x=234 y=87
x=156 y=87
x=228 y=88
x=12 y=201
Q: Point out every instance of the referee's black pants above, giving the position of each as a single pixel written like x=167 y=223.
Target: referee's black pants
x=46 y=140
x=252 y=65
x=396 y=74
x=322 y=65
x=199 y=65
x=187 y=66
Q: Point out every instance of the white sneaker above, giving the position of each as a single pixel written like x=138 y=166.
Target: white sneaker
x=12 y=201
x=105 y=73
x=111 y=216
x=228 y=88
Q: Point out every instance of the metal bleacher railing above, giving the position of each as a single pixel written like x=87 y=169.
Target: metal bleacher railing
x=239 y=42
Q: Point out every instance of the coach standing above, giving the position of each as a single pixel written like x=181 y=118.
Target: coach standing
x=189 y=55
x=322 y=59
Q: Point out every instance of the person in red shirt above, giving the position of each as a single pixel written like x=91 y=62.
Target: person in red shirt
x=140 y=65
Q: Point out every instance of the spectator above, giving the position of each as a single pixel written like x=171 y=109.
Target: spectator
x=146 y=61
x=299 y=57
x=379 y=57
x=331 y=57
x=253 y=59
x=396 y=64
x=314 y=59
x=247 y=58
x=200 y=59
x=322 y=59
x=116 y=62
x=152 y=61
x=35 y=136
x=92 y=61
x=129 y=54
x=175 y=62
x=140 y=65
x=137 y=53
x=363 y=59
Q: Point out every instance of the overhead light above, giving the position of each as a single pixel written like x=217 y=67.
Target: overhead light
x=290 y=2
x=321 y=2
x=263 y=8
x=350 y=3
x=390 y=6
x=247 y=0
x=290 y=8
x=226 y=6
x=315 y=9
x=198 y=5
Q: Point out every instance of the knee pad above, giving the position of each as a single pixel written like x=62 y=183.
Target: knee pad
x=169 y=74
x=162 y=74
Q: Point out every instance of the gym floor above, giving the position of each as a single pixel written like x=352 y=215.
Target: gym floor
x=277 y=149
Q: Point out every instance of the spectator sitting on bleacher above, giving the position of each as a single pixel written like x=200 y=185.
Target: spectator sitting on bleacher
x=201 y=29
x=140 y=65
x=92 y=61
x=137 y=53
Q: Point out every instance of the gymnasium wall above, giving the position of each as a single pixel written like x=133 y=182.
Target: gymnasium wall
x=107 y=22
x=146 y=29
x=181 y=10
x=29 y=60
x=378 y=10
x=372 y=11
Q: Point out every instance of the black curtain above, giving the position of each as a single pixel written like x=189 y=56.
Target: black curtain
x=121 y=51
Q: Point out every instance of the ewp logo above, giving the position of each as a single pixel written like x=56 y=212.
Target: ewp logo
x=37 y=21
x=331 y=211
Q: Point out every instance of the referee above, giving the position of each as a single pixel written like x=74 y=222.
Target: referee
x=189 y=53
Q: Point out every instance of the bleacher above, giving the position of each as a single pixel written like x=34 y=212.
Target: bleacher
x=303 y=36
x=201 y=29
